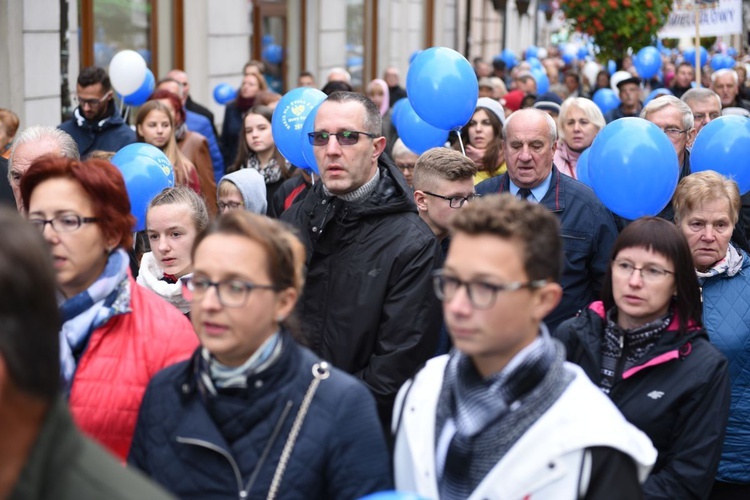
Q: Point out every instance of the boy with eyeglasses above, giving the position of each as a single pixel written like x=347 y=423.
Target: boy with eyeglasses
x=95 y=124
x=503 y=415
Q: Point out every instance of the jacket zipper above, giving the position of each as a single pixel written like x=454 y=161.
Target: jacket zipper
x=243 y=493
x=620 y=362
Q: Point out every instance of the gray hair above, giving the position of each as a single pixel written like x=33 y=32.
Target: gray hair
x=400 y=149
x=700 y=94
x=591 y=110
x=551 y=125
x=341 y=71
x=373 y=122
x=39 y=133
x=688 y=122
x=725 y=71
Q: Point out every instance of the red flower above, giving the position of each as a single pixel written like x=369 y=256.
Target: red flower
x=612 y=3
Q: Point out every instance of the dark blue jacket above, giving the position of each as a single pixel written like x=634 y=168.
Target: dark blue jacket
x=201 y=124
x=588 y=232
x=202 y=446
x=109 y=134
x=230 y=132
x=617 y=113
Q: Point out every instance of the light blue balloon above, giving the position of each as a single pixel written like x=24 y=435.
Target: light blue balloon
x=307 y=149
x=393 y=495
x=223 y=93
x=146 y=171
x=289 y=120
x=633 y=167
x=273 y=53
x=611 y=67
x=534 y=63
x=417 y=134
x=442 y=88
x=648 y=62
x=606 y=99
x=582 y=167
x=531 y=51
x=542 y=80
x=732 y=52
x=724 y=146
x=143 y=93
x=656 y=92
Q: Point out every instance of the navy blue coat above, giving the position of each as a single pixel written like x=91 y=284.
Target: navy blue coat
x=109 y=134
x=202 y=446
x=588 y=232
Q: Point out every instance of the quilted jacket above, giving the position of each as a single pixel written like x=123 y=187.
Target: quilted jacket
x=588 y=232
x=678 y=394
x=228 y=445
x=120 y=359
x=726 y=315
x=109 y=134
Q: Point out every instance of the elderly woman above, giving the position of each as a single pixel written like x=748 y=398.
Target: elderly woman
x=253 y=414
x=114 y=336
x=644 y=346
x=706 y=210
x=579 y=122
x=405 y=159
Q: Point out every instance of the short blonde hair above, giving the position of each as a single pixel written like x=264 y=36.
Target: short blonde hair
x=589 y=108
x=704 y=187
x=228 y=188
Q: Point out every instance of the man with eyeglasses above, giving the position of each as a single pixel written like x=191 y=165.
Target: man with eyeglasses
x=705 y=105
x=95 y=125
x=367 y=305
x=587 y=227
x=675 y=118
x=503 y=415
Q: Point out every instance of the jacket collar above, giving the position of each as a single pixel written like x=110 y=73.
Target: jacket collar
x=554 y=199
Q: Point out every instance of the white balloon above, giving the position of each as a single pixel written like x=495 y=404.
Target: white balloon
x=127 y=72
x=590 y=70
x=541 y=53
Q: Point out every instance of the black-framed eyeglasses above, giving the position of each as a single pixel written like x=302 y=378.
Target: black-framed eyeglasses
x=649 y=273
x=93 y=102
x=231 y=292
x=481 y=295
x=344 y=138
x=674 y=132
x=454 y=201
x=65 y=223
x=232 y=205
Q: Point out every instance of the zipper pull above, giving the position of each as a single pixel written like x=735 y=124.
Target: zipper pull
x=622 y=341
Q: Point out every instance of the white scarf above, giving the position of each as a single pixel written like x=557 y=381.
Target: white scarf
x=150 y=276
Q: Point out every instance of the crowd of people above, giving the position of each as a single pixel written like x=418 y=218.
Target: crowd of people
x=471 y=322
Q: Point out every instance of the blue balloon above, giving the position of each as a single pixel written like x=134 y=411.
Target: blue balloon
x=414 y=55
x=648 y=62
x=509 y=57
x=289 y=120
x=267 y=39
x=144 y=91
x=417 y=134
x=542 y=80
x=655 y=93
x=606 y=99
x=689 y=55
x=611 y=67
x=273 y=53
x=223 y=93
x=724 y=146
x=728 y=62
x=307 y=149
x=717 y=62
x=144 y=170
x=704 y=56
x=732 y=52
x=442 y=75
x=633 y=167
x=400 y=104
x=534 y=63
x=568 y=58
x=393 y=495
x=582 y=167
x=583 y=52
x=531 y=51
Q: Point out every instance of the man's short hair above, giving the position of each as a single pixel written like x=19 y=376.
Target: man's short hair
x=38 y=133
x=725 y=71
x=93 y=75
x=700 y=94
x=442 y=164
x=29 y=317
x=688 y=122
x=551 y=125
x=684 y=64
x=509 y=218
x=373 y=122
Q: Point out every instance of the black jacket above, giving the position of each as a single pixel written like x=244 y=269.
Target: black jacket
x=368 y=305
x=678 y=394
x=199 y=445
x=193 y=106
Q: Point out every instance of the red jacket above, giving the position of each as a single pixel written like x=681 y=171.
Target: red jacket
x=118 y=363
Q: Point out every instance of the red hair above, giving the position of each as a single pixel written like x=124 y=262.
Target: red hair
x=101 y=181
x=174 y=100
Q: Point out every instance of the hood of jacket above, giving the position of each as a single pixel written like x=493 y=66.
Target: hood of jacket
x=252 y=187
x=113 y=119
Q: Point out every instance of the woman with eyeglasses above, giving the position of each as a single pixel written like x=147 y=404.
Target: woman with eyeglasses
x=257 y=150
x=644 y=345
x=173 y=220
x=253 y=414
x=706 y=208
x=115 y=334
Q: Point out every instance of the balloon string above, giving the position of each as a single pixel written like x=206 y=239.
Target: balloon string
x=458 y=133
